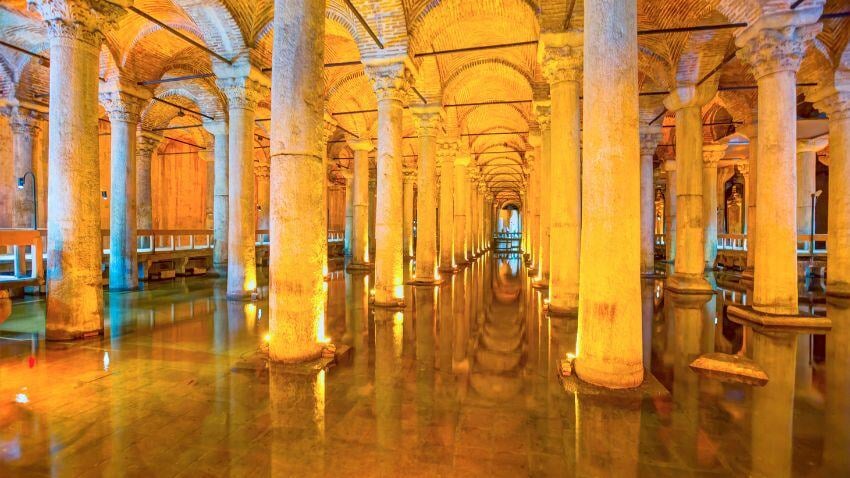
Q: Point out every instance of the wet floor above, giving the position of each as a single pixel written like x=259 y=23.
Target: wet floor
x=463 y=382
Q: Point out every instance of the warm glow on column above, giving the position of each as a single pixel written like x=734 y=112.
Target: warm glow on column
x=319 y=412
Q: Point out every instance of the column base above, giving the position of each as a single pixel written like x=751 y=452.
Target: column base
x=556 y=311
x=777 y=323
x=748 y=275
x=651 y=275
x=426 y=282
x=448 y=270
x=838 y=290
x=389 y=304
x=539 y=283
x=243 y=295
x=65 y=335
x=531 y=269
x=684 y=284
x=359 y=266
x=609 y=374
x=460 y=263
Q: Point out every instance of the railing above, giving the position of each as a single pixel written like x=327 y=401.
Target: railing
x=151 y=241
x=660 y=240
x=17 y=241
x=333 y=237
x=507 y=235
x=732 y=242
x=805 y=244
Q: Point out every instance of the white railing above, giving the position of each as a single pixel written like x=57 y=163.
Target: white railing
x=22 y=246
x=660 y=240
x=333 y=237
x=151 y=241
x=732 y=242
x=805 y=244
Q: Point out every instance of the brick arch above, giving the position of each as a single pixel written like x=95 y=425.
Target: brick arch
x=498 y=68
x=387 y=18
x=217 y=25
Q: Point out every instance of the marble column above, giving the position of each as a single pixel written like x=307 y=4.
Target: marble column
x=298 y=178
x=689 y=265
x=349 y=210
x=23 y=124
x=533 y=220
x=427 y=121
x=123 y=110
x=390 y=82
x=408 y=180
x=749 y=170
x=75 y=296
x=447 y=150
x=649 y=139
x=561 y=60
x=609 y=345
x=262 y=172
x=461 y=198
x=220 y=197
x=806 y=181
x=836 y=104
x=242 y=92
x=329 y=126
x=360 y=201
x=774 y=46
x=146 y=144
x=482 y=192
x=472 y=189
x=542 y=112
x=711 y=155
x=209 y=196
x=670 y=211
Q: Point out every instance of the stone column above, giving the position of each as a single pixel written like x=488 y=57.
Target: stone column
x=774 y=46
x=390 y=82
x=689 y=264
x=711 y=155
x=533 y=219
x=123 y=110
x=329 y=125
x=836 y=104
x=24 y=126
x=806 y=184
x=349 y=210
x=220 y=197
x=427 y=122
x=482 y=233
x=446 y=154
x=472 y=188
x=670 y=211
x=360 y=201
x=146 y=144
x=749 y=171
x=209 y=197
x=560 y=57
x=298 y=178
x=409 y=179
x=609 y=346
x=461 y=197
x=243 y=92
x=542 y=111
x=649 y=140
x=262 y=172
x=75 y=296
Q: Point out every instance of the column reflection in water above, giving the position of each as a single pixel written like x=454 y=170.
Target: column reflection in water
x=389 y=335
x=836 y=446
x=425 y=322
x=297 y=411
x=359 y=330
x=445 y=334
x=607 y=435
x=773 y=404
x=460 y=361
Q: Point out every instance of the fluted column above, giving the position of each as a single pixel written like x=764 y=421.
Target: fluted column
x=670 y=211
x=427 y=122
x=262 y=171
x=349 y=210
x=242 y=93
x=836 y=104
x=561 y=60
x=609 y=345
x=774 y=46
x=146 y=144
x=447 y=150
x=806 y=181
x=689 y=264
x=711 y=155
x=408 y=180
x=123 y=110
x=649 y=140
x=298 y=178
x=461 y=197
x=75 y=296
x=220 y=197
x=542 y=111
x=390 y=82
x=360 y=192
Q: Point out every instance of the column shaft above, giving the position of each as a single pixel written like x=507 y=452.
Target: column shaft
x=447 y=174
x=806 y=186
x=545 y=196
x=220 y=205
x=360 y=217
x=427 y=122
x=709 y=212
x=609 y=345
x=461 y=197
x=407 y=227
x=298 y=178
x=349 y=212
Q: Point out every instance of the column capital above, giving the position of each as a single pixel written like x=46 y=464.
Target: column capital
x=543 y=113
x=691 y=96
x=530 y=159
x=23 y=120
x=812 y=145
x=462 y=159
x=712 y=153
x=835 y=102
x=391 y=80
x=670 y=165
x=262 y=167
x=328 y=127
x=82 y=20
x=427 y=119
x=242 y=92
x=560 y=55
x=146 y=142
x=447 y=149
x=777 y=41
x=649 y=142
x=121 y=105
x=360 y=144
x=216 y=127
x=408 y=175
x=744 y=169
x=348 y=175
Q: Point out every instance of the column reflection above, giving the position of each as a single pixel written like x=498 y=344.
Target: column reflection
x=836 y=446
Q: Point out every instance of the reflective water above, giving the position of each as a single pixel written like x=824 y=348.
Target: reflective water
x=462 y=382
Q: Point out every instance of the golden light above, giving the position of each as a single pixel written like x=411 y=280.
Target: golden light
x=267 y=338
x=398 y=291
